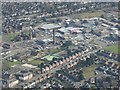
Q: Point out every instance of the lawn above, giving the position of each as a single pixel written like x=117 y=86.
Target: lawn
x=35 y=62
x=53 y=51
x=113 y=48
x=15 y=63
x=87 y=15
x=9 y=37
x=49 y=57
x=7 y=64
x=88 y=72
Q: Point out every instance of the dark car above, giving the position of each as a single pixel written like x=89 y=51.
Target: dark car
x=6 y=46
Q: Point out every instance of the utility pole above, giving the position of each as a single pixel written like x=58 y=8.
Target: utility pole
x=53 y=36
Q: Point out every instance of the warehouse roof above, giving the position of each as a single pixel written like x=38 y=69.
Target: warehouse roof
x=50 y=26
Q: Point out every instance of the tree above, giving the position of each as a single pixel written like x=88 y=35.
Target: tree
x=108 y=79
x=81 y=76
x=44 y=19
x=41 y=66
x=102 y=16
x=68 y=51
x=67 y=44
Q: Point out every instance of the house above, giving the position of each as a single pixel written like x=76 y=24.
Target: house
x=32 y=83
x=47 y=68
x=74 y=30
x=71 y=64
x=116 y=66
x=61 y=61
x=12 y=82
x=66 y=59
x=24 y=75
x=51 y=65
x=110 y=64
x=57 y=63
x=74 y=56
x=43 y=69
x=92 y=80
x=11 y=73
x=106 y=84
x=70 y=57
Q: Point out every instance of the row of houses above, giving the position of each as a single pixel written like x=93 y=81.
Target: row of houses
x=63 y=77
x=107 y=54
x=110 y=68
x=12 y=79
x=60 y=62
x=113 y=65
x=51 y=83
x=29 y=79
x=71 y=57
x=36 y=81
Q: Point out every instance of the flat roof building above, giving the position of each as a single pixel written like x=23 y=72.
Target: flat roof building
x=51 y=27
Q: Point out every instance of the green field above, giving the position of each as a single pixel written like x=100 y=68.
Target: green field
x=7 y=64
x=9 y=36
x=14 y=63
x=87 y=15
x=35 y=62
x=49 y=57
x=88 y=72
x=53 y=51
x=113 y=48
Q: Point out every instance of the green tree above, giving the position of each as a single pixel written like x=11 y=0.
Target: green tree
x=67 y=44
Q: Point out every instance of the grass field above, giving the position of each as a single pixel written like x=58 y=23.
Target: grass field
x=49 y=57
x=89 y=71
x=7 y=64
x=35 y=62
x=53 y=51
x=14 y=63
x=87 y=15
x=9 y=36
x=113 y=48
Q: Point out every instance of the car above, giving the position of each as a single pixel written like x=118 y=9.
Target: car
x=104 y=72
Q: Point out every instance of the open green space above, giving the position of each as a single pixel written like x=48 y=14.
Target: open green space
x=88 y=72
x=49 y=57
x=113 y=48
x=14 y=63
x=35 y=62
x=9 y=37
x=7 y=64
x=87 y=14
x=53 y=51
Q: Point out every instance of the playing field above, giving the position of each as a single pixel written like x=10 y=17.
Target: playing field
x=88 y=72
x=87 y=15
x=113 y=48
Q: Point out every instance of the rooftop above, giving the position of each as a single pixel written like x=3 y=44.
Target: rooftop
x=50 y=26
